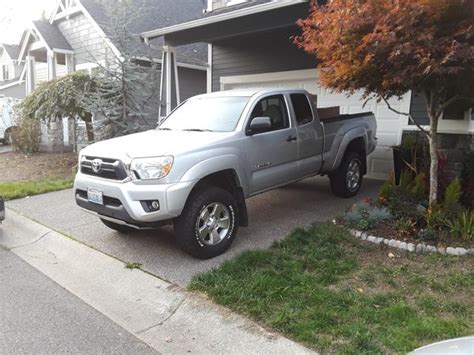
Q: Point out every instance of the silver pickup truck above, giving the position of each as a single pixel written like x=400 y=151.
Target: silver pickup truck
x=197 y=168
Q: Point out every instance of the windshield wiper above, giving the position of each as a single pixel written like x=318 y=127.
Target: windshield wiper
x=197 y=130
x=163 y=129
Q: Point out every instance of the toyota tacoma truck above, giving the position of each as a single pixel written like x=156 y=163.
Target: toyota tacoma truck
x=201 y=163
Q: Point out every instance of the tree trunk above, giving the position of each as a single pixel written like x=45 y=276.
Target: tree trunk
x=433 y=140
x=89 y=129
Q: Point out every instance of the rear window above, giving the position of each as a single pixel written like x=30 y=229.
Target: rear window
x=302 y=108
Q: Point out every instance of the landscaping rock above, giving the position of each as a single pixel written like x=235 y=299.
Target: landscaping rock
x=403 y=246
x=379 y=240
x=461 y=251
x=358 y=234
x=371 y=239
x=411 y=247
x=431 y=249
x=470 y=251
x=363 y=236
x=386 y=241
x=392 y=242
x=451 y=251
x=442 y=250
x=421 y=209
x=420 y=248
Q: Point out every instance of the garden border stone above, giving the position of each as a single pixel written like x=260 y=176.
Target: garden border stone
x=419 y=248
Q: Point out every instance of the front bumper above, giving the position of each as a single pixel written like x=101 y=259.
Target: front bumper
x=122 y=200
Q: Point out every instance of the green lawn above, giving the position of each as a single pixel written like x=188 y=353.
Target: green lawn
x=18 y=189
x=337 y=294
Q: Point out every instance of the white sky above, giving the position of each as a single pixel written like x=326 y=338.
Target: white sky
x=15 y=16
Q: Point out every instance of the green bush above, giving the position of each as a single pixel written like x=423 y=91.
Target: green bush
x=404 y=226
x=463 y=225
x=436 y=217
x=452 y=195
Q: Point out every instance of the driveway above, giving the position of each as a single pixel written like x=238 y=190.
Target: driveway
x=272 y=216
x=5 y=148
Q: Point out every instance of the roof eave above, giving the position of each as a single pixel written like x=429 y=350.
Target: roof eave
x=218 y=18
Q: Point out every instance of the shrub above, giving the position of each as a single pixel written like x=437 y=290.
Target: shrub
x=436 y=217
x=365 y=216
x=418 y=189
x=27 y=137
x=452 y=195
x=427 y=234
x=404 y=226
x=463 y=225
x=386 y=191
x=467 y=179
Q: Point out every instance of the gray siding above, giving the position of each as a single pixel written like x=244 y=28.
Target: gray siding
x=267 y=52
x=418 y=109
x=84 y=38
x=17 y=91
x=191 y=82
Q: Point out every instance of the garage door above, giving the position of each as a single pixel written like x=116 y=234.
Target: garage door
x=388 y=123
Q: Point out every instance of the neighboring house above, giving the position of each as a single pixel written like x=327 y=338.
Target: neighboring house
x=77 y=37
x=12 y=72
x=250 y=45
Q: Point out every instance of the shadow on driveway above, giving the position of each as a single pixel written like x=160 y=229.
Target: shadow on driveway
x=272 y=216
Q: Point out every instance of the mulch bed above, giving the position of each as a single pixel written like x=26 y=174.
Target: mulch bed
x=20 y=167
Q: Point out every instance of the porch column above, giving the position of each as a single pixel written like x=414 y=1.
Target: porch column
x=70 y=65
x=51 y=58
x=169 y=85
x=30 y=74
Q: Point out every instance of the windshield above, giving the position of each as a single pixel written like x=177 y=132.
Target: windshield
x=217 y=114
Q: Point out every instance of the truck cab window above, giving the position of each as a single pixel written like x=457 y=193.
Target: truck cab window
x=275 y=108
x=302 y=108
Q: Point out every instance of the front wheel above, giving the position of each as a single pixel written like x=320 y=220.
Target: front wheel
x=347 y=180
x=208 y=224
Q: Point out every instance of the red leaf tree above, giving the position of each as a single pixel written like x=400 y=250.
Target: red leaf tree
x=389 y=47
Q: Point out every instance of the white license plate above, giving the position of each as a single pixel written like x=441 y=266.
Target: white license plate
x=95 y=196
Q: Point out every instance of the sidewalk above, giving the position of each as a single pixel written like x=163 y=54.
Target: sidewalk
x=159 y=313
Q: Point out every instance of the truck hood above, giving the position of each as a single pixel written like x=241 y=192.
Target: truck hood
x=153 y=143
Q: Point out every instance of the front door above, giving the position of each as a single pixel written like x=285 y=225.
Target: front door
x=272 y=154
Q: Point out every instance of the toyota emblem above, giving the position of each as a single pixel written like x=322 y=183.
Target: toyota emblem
x=97 y=166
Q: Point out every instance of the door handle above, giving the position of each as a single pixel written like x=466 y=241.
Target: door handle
x=291 y=139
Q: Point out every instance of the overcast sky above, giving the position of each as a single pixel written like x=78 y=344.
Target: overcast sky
x=15 y=16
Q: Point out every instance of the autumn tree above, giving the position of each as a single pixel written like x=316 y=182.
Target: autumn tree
x=388 y=47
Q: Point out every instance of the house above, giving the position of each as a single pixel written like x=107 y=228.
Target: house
x=12 y=72
x=78 y=36
x=250 y=45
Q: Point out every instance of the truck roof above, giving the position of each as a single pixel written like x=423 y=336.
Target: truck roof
x=248 y=92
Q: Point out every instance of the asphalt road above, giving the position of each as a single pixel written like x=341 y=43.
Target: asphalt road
x=39 y=316
x=272 y=216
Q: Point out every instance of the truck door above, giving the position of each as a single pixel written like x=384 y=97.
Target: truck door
x=272 y=155
x=310 y=139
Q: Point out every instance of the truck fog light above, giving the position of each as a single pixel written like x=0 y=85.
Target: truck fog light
x=150 y=205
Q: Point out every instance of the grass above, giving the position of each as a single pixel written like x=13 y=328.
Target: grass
x=335 y=294
x=18 y=189
x=132 y=265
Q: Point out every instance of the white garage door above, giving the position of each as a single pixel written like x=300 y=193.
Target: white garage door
x=388 y=123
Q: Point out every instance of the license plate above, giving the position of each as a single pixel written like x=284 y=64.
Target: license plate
x=95 y=196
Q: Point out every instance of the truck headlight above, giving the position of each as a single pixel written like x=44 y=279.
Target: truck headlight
x=151 y=168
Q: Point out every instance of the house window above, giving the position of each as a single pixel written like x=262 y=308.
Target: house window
x=6 y=72
x=457 y=110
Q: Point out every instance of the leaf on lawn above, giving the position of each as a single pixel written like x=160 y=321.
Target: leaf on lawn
x=391 y=255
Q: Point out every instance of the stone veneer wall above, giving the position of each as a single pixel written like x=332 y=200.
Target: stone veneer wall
x=452 y=146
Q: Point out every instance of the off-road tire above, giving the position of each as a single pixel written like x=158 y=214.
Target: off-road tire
x=186 y=226
x=338 y=179
x=118 y=227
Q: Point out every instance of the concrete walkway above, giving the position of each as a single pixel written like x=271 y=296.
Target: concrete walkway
x=157 y=312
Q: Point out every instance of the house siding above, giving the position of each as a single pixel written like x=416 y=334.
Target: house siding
x=87 y=42
x=16 y=91
x=260 y=53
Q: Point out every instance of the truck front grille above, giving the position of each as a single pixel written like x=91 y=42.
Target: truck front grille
x=105 y=168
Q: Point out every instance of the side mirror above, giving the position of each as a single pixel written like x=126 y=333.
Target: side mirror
x=259 y=125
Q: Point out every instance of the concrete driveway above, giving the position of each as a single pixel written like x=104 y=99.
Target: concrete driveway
x=272 y=216
x=5 y=148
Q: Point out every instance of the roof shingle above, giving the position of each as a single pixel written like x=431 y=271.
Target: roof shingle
x=52 y=36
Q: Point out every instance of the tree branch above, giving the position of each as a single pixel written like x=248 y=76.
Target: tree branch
x=405 y=114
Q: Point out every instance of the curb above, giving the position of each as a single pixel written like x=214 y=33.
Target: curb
x=162 y=315
x=411 y=247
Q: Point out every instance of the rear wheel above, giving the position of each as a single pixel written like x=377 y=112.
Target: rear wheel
x=347 y=180
x=118 y=227
x=208 y=224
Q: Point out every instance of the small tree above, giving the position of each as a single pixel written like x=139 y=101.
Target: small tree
x=387 y=48
x=127 y=96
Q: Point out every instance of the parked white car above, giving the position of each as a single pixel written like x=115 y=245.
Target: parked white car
x=7 y=121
